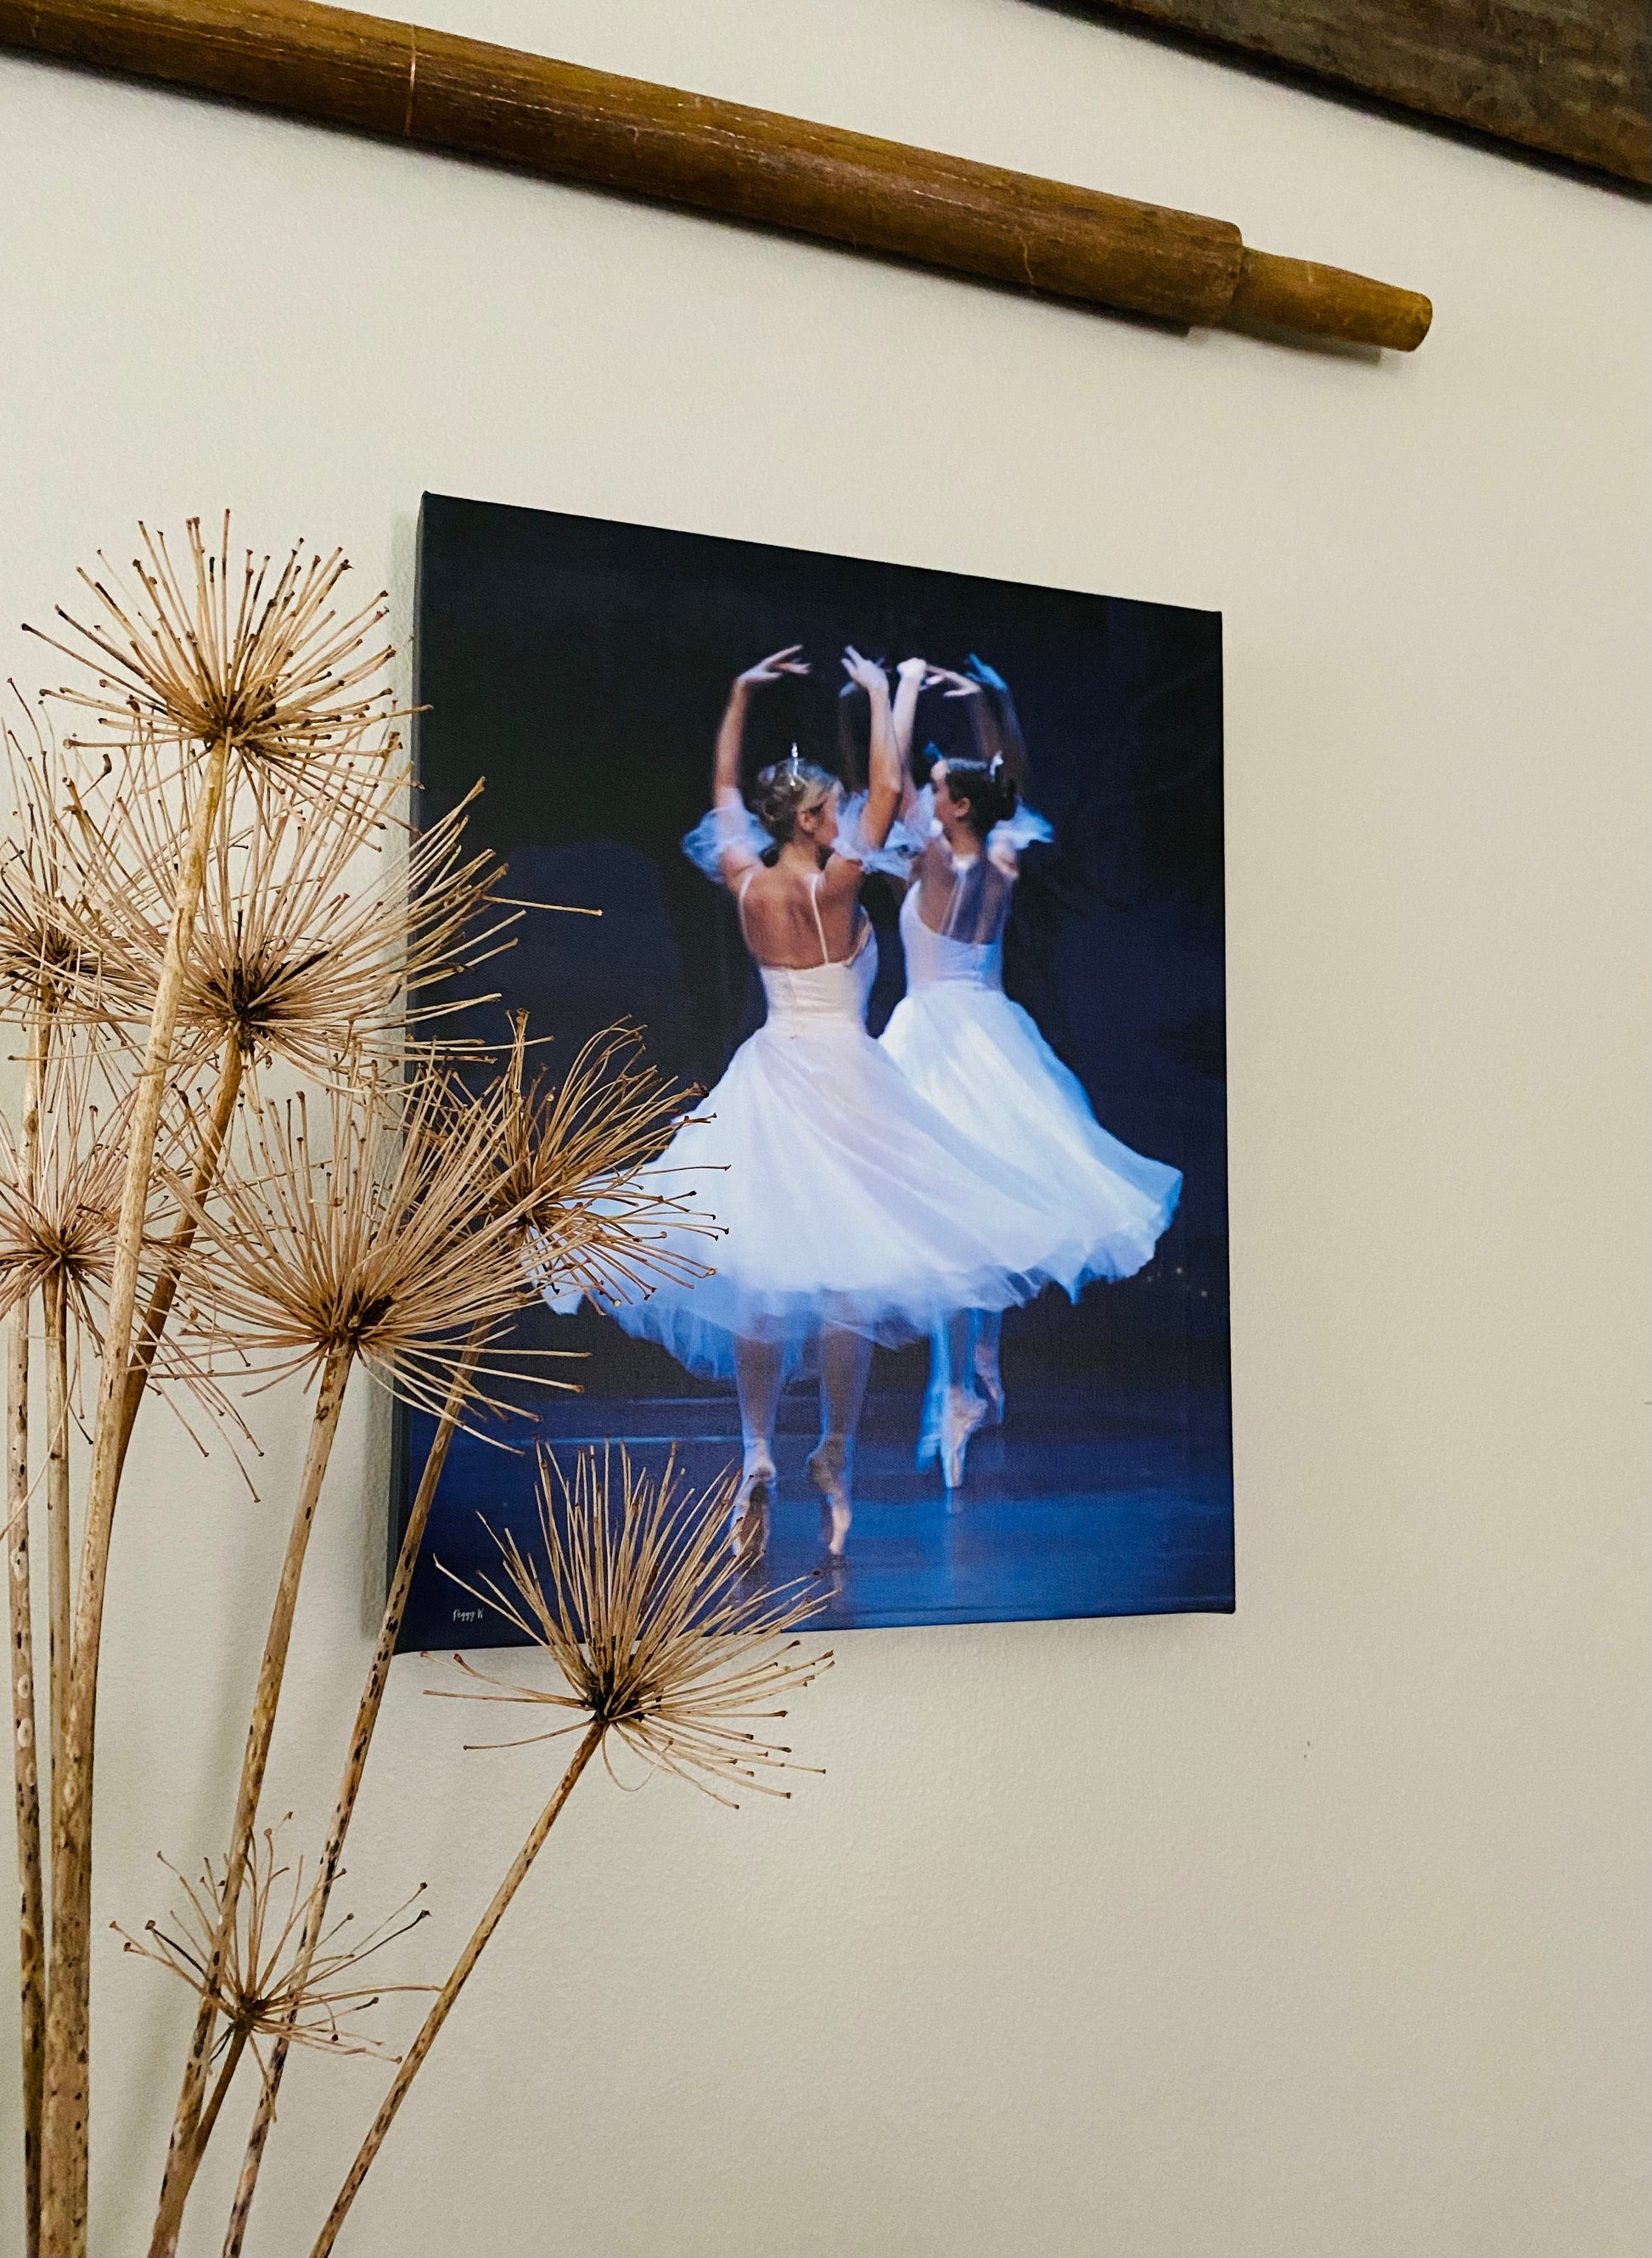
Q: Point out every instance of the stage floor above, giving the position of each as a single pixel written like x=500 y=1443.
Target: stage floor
x=1078 y=1506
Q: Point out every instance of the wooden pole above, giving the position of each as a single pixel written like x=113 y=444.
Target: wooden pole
x=372 y=75
x=1571 y=78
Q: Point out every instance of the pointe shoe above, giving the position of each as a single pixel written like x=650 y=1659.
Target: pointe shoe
x=990 y=1380
x=828 y=1465
x=961 y=1414
x=749 y=1524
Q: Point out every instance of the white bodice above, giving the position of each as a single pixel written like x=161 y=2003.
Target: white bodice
x=935 y=957
x=821 y=997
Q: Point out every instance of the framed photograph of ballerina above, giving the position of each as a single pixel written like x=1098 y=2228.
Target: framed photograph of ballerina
x=909 y=887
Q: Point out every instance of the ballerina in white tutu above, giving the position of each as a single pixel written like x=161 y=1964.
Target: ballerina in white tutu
x=980 y=1060
x=851 y=1211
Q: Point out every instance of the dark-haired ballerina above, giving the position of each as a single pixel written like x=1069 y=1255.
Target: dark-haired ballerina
x=852 y=1212
x=980 y=1059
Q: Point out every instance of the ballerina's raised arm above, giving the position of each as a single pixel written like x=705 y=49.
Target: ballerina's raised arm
x=884 y=779
x=735 y=853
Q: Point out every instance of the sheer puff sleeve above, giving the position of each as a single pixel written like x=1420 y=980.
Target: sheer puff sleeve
x=1026 y=827
x=721 y=831
x=895 y=857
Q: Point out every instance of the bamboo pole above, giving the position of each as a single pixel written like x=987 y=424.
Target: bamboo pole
x=65 y=2117
x=350 y=1787
x=451 y=1989
x=26 y=1769
x=190 y=2130
x=335 y=66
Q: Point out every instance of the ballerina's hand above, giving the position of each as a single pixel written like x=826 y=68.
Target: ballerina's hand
x=948 y=678
x=988 y=676
x=778 y=663
x=913 y=670
x=865 y=672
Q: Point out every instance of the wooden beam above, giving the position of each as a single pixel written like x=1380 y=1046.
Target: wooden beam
x=566 y=122
x=1571 y=78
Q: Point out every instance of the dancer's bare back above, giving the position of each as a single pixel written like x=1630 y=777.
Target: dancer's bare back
x=779 y=907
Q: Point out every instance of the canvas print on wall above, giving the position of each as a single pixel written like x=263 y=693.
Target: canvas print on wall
x=912 y=880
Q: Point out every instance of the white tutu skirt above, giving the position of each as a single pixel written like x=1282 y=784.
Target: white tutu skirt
x=843 y=1197
x=980 y=1060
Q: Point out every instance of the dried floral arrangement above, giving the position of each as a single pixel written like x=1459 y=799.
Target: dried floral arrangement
x=185 y=924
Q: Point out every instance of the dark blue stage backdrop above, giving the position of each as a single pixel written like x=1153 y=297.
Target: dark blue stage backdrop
x=580 y=667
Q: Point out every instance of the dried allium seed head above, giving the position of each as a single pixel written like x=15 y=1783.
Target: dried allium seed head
x=290 y=955
x=377 y=1236
x=60 y=1211
x=655 y=1630
x=574 y=1165
x=60 y=1199
x=251 y=657
x=47 y=953
x=265 y=1988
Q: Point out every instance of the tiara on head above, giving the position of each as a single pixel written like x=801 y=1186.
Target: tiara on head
x=994 y=764
x=792 y=766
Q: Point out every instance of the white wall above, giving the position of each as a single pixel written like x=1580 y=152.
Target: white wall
x=1315 y=1933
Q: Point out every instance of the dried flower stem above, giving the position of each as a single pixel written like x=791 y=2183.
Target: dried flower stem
x=57 y=1507
x=350 y=1787
x=231 y=2063
x=189 y=2129
x=24 y=1738
x=67 y=2034
x=449 y=1992
x=166 y=1287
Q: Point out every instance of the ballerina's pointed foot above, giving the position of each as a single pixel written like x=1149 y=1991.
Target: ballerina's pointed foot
x=829 y=1472
x=749 y=1524
x=961 y=1416
x=990 y=1380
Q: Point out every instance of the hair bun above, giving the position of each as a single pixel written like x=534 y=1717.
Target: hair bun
x=986 y=789
x=786 y=791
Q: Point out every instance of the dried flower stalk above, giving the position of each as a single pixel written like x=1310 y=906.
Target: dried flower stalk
x=39 y=961
x=262 y=685
x=573 y=1179
x=286 y=965
x=153 y=1326
x=32 y=1938
x=660 y=1642
x=263 y=1987
x=63 y=2193
x=350 y=1787
x=369 y=1251
x=55 y=1303
x=185 y=904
